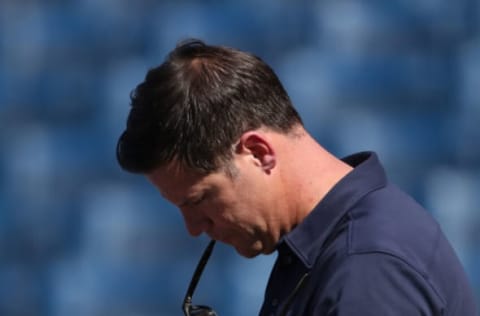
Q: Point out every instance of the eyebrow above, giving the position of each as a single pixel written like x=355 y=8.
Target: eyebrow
x=194 y=197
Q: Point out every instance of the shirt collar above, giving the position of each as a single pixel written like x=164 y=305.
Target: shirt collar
x=306 y=240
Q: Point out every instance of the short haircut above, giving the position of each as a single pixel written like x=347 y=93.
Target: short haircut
x=196 y=104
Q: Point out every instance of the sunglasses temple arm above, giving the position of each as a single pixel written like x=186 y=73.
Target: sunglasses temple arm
x=198 y=272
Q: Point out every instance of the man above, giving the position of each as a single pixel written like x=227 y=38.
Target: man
x=215 y=132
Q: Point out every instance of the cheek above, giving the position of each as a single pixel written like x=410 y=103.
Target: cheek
x=248 y=198
x=222 y=211
x=251 y=185
x=241 y=212
x=226 y=212
x=240 y=205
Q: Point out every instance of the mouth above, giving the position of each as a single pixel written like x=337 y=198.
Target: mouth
x=247 y=247
x=218 y=237
x=226 y=240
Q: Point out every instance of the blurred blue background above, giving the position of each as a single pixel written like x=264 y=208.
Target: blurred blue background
x=80 y=237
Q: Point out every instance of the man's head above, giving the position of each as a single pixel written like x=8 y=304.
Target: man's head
x=196 y=105
x=213 y=129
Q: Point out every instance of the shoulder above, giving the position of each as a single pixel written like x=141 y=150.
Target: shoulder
x=375 y=283
x=388 y=256
x=391 y=222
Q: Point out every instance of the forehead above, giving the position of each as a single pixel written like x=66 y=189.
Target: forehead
x=171 y=180
x=176 y=183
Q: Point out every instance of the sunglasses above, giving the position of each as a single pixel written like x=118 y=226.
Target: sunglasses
x=201 y=310
x=198 y=310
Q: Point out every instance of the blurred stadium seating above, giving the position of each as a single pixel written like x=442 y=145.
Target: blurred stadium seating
x=80 y=237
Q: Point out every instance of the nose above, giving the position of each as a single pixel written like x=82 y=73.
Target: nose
x=196 y=224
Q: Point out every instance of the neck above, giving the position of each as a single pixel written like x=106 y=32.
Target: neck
x=312 y=171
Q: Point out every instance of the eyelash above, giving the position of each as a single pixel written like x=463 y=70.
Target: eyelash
x=199 y=200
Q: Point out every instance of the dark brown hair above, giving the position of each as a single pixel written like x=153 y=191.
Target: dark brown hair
x=195 y=106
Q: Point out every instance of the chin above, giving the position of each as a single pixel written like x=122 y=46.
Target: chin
x=250 y=252
x=247 y=253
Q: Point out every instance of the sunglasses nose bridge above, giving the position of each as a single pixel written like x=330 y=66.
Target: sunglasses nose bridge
x=201 y=311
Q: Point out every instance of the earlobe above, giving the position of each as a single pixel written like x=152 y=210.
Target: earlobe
x=269 y=163
x=257 y=145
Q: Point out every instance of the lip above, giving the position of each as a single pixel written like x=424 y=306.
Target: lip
x=217 y=237
x=221 y=238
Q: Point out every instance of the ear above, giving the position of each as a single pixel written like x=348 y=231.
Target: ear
x=259 y=147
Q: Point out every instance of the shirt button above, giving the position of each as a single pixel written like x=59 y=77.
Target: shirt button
x=274 y=302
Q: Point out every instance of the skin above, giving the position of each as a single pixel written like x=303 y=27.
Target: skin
x=277 y=181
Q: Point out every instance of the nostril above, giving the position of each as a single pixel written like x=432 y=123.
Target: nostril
x=194 y=231
x=196 y=228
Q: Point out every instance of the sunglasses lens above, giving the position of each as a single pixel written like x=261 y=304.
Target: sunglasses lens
x=201 y=311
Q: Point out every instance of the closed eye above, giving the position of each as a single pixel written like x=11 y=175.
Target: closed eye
x=196 y=200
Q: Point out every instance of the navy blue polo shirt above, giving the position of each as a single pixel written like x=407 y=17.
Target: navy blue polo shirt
x=367 y=249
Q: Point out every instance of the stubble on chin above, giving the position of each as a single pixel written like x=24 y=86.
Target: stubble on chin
x=252 y=251
x=249 y=254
